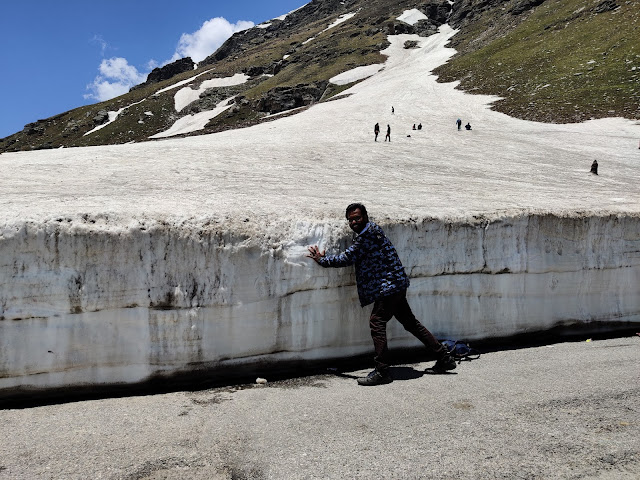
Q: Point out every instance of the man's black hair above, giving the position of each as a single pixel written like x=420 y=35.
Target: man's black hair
x=355 y=206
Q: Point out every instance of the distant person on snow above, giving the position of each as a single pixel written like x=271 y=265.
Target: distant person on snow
x=468 y=126
x=393 y=111
x=388 y=135
x=376 y=131
x=381 y=280
x=459 y=123
x=594 y=167
x=414 y=126
x=419 y=126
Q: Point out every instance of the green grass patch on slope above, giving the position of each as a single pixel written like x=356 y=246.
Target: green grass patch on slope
x=566 y=62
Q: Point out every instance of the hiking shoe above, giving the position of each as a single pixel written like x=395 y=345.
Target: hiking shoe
x=445 y=364
x=375 y=378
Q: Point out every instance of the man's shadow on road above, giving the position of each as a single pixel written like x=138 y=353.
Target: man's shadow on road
x=397 y=373
x=410 y=373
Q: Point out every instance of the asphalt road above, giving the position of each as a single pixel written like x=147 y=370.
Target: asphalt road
x=568 y=410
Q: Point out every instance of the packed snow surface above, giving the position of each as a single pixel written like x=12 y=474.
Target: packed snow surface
x=311 y=164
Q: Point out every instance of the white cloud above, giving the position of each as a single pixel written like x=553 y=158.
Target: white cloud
x=116 y=77
x=118 y=68
x=202 y=43
x=97 y=39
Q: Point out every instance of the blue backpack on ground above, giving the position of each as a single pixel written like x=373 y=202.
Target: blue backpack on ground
x=459 y=350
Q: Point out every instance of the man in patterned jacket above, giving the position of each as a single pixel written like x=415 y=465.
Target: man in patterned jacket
x=382 y=281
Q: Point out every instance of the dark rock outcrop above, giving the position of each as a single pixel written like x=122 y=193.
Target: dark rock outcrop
x=606 y=6
x=39 y=127
x=399 y=28
x=437 y=11
x=43 y=146
x=424 y=28
x=168 y=71
x=525 y=5
x=463 y=11
x=101 y=117
x=254 y=71
x=286 y=98
x=33 y=128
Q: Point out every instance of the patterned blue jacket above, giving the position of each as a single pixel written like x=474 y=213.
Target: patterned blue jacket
x=379 y=271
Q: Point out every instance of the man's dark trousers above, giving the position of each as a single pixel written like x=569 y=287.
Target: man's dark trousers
x=384 y=309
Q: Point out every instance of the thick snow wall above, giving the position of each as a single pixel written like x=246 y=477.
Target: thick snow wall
x=99 y=301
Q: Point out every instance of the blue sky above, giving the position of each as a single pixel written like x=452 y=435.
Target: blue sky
x=59 y=55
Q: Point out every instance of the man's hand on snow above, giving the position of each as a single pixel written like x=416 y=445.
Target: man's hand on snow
x=314 y=252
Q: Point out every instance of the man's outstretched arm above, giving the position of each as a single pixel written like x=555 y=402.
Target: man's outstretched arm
x=346 y=258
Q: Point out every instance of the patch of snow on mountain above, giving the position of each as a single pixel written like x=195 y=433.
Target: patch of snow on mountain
x=179 y=84
x=358 y=73
x=193 y=123
x=412 y=16
x=112 y=117
x=341 y=19
x=187 y=95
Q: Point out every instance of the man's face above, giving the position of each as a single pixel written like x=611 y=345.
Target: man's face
x=356 y=221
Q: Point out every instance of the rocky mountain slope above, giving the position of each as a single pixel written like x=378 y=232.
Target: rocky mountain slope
x=549 y=60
